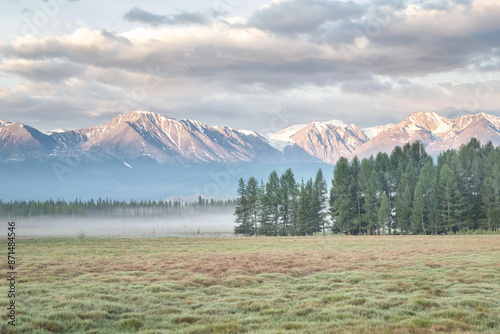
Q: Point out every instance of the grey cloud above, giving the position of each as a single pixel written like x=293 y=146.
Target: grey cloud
x=137 y=14
x=440 y=4
x=46 y=71
x=302 y=16
x=207 y=62
x=365 y=87
x=115 y=37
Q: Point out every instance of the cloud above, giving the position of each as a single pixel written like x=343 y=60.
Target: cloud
x=137 y=14
x=366 y=87
x=337 y=60
x=115 y=37
x=303 y=16
x=441 y=4
x=41 y=70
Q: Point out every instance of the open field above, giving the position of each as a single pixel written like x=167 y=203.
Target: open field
x=391 y=284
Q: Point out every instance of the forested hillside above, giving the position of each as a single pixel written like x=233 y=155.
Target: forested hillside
x=405 y=192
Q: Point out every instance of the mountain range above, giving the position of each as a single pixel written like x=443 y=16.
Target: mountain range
x=144 y=155
x=151 y=137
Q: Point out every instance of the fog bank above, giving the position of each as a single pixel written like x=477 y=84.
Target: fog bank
x=189 y=224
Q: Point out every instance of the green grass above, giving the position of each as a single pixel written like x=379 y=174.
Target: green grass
x=370 y=284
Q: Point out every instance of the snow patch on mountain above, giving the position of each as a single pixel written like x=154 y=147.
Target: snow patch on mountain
x=373 y=131
x=327 y=141
x=283 y=138
x=336 y=122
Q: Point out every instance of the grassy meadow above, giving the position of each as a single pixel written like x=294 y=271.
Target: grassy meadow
x=368 y=284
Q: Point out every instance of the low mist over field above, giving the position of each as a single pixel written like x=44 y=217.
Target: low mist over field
x=191 y=223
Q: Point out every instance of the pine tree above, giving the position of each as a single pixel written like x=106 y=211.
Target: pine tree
x=265 y=226
x=308 y=221
x=491 y=196
x=289 y=193
x=303 y=210
x=434 y=215
x=321 y=190
x=385 y=170
x=342 y=201
x=404 y=197
x=273 y=192
x=383 y=212
x=252 y=199
x=371 y=201
x=242 y=212
x=356 y=190
x=423 y=190
x=449 y=190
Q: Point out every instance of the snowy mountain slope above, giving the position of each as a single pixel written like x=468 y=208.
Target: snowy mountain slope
x=151 y=137
x=147 y=135
x=21 y=142
x=435 y=132
x=139 y=135
x=327 y=141
x=371 y=132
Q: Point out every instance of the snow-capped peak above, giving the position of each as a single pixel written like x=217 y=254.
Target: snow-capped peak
x=442 y=124
x=319 y=126
x=6 y=123
x=248 y=132
x=286 y=134
x=143 y=112
x=336 y=122
x=54 y=131
x=326 y=141
x=373 y=131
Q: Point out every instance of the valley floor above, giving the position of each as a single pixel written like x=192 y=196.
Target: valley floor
x=368 y=284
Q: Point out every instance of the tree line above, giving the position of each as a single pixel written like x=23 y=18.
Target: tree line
x=404 y=192
x=107 y=207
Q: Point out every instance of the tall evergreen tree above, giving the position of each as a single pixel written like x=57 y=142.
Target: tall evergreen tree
x=383 y=213
x=356 y=190
x=321 y=191
x=491 y=196
x=252 y=199
x=271 y=205
x=242 y=211
x=308 y=221
x=371 y=201
x=404 y=198
x=420 y=221
x=385 y=170
x=342 y=201
x=450 y=200
x=289 y=193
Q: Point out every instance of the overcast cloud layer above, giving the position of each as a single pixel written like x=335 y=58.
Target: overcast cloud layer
x=261 y=67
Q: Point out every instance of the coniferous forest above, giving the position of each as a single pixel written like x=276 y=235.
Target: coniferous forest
x=405 y=192
x=106 y=208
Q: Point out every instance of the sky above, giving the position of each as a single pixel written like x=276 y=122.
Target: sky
x=258 y=65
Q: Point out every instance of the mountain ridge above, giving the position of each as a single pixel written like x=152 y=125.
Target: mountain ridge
x=437 y=133
x=148 y=136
